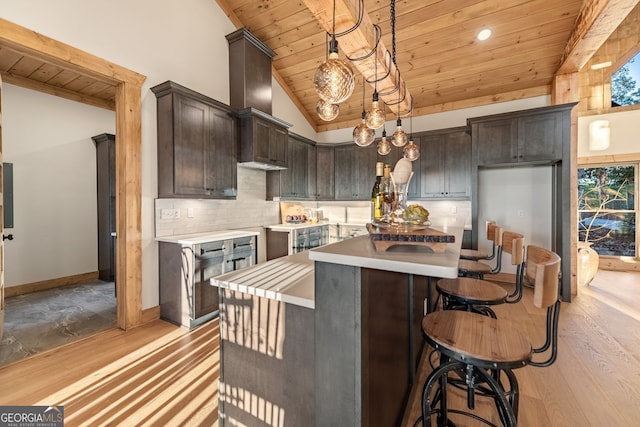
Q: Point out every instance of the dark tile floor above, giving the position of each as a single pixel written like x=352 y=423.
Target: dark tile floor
x=42 y=320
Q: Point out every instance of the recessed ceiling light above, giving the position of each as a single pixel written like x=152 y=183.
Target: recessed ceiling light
x=601 y=65
x=484 y=34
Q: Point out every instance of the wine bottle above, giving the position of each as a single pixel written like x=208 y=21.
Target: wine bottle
x=376 y=194
x=388 y=194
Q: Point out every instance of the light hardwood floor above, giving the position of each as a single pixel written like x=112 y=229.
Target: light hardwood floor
x=162 y=375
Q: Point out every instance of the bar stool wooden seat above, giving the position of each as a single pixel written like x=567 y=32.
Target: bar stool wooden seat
x=478 y=352
x=475 y=254
x=471 y=268
x=471 y=294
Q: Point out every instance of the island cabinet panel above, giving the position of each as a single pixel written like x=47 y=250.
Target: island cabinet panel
x=368 y=344
x=355 y=171
x=530 y=137
x=267 y=359
x=445 y=166
x=197 y=144
x=325 y=169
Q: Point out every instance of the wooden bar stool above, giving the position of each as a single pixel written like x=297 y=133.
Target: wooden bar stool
x=477 y=352
x=477 y=295
x=476 y=255
x=470 y=268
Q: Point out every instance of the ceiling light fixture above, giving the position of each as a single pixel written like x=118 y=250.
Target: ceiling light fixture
x=399 y=138
x=375 y=116
x=334 y=80
x=326 y=110
x=384 y=146
x=411 y=151
x=484 y=34
x=363 y=135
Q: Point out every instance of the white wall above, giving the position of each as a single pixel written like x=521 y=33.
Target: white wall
x=48 y=140
x=625 y=136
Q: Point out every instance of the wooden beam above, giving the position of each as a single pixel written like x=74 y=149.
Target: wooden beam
x=58 y=91
x=359 y=43
x=595 y=23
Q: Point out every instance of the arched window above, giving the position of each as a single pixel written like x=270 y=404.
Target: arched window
x=625 y=83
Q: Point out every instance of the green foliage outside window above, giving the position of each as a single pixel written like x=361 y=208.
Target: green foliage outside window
x=625 y=87
x=607 y=209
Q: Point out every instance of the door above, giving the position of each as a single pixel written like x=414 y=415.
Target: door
x=1 y=228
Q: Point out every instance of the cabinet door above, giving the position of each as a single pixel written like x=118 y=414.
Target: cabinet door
x=345 y=172
x=222 y=155
x=325 y=180
x=431 y=172
x=262 y=140
x=293 y=180
x=457 y=165
x=540 y=137
x=497 y=142
x=278 y=146
x=365 y=169
x=190 y=147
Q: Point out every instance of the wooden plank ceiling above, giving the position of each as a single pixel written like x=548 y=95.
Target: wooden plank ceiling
x=442 y=64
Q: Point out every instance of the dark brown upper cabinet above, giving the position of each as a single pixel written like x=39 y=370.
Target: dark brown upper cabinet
x=298 y=181
x=355 y=171
x=445 y=164
x=263 y=140
x=529 y=137
x=197 y=144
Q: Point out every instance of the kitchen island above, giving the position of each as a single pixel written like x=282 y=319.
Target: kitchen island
x=345 y=353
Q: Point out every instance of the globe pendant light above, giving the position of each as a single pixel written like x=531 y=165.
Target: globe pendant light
x=384 y=146
x=399 y=138
x=411 y=152
x=334 y=80
x=327 y=111
x=375 y=117
x=363 y=135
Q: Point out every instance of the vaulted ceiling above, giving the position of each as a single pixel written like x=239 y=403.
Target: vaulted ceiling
x=440 y=60
x=442 y=65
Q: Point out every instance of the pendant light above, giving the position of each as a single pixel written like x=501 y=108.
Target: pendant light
x=399 y=138
x=375 y=116
x=326 y=110
x=384 y=146
x=411 y=152
x=334 y=80
x=363 y=135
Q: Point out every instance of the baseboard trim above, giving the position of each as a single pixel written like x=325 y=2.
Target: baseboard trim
x=150 y=314
x=43 y=285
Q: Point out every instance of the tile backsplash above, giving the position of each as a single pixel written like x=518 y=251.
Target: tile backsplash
x=251 y=210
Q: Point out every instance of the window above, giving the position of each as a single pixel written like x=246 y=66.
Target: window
x=625 y=83
x=607 y=208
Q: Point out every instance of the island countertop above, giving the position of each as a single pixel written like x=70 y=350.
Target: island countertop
x=360 y=252
x=288 y=279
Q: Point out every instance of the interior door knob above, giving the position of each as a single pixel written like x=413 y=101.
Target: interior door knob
x=7 y=237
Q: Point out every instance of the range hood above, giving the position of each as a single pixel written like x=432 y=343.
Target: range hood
x=262 y=137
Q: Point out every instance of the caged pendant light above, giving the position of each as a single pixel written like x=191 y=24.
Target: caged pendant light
x=363 y=135
x=334 y=80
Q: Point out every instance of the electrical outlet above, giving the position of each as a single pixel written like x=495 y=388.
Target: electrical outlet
x=454 y=209
x=169 y=213
x=520 y=213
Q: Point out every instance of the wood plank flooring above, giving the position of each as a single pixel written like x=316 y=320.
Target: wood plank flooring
x=160 y=375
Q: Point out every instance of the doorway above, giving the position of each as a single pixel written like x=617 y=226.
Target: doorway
x=125 y=99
